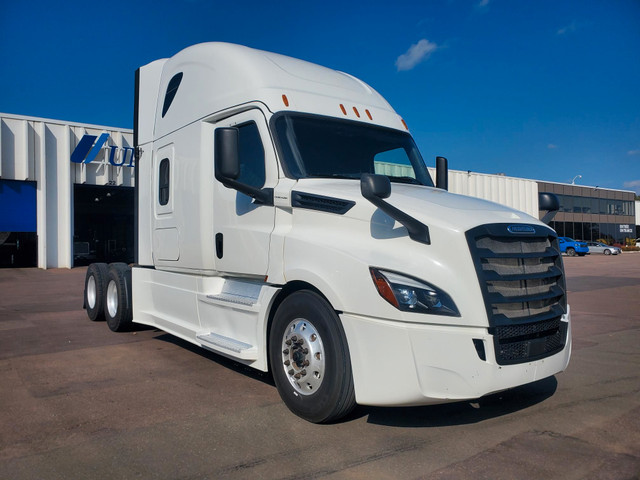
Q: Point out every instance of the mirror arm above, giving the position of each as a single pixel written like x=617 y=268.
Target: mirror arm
x=418 y=231
x=263 y=196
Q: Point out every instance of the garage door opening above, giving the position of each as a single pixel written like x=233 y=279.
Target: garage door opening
x=103 y=224
x=18 y=237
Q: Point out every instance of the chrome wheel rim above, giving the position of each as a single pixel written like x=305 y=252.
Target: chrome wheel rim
x=112 y=298
x=303 y=358
x=91 y=292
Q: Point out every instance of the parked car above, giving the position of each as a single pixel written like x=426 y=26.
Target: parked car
x=599 y=247
x=572 y=247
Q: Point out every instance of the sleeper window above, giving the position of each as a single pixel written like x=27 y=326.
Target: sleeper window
x=172 y=89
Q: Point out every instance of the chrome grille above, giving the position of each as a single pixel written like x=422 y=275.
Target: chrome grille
x=522 y=281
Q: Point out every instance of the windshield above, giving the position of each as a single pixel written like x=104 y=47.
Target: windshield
x=322 y=147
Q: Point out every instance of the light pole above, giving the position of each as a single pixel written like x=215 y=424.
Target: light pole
x=573 y=182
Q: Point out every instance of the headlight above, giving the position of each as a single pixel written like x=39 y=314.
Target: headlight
x=412 y=295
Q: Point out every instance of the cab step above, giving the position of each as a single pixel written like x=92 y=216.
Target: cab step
x=222 y=344
x=236 y=294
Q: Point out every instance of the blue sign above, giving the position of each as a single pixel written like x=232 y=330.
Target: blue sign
x=17 y=206
x=88 y=149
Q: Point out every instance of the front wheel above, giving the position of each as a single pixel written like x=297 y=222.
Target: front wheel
x=607 y=252
x=571 y=252
x=309 y=357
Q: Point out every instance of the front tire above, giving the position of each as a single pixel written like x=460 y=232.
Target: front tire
x=607 y=252
x=118 y=305
x=571 y=252
x=94 y=290
x=309 y=358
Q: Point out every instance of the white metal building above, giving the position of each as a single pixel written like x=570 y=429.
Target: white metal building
x=518 y=193
x=43 y=192
x=65 y=192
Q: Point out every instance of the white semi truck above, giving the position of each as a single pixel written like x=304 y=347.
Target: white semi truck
x=286 y=220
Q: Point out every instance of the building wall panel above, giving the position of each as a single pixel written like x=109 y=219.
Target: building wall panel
x=39 y=150
x=518 y=193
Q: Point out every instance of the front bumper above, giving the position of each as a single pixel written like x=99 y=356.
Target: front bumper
x=399 y=364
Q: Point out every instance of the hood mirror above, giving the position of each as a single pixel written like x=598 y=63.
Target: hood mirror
x=548 y=202
x=376 y=188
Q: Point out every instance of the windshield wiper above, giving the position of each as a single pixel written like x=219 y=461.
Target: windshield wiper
x=404 y=180
x=334 y=175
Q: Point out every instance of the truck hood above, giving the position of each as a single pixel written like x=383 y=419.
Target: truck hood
x=430 y=205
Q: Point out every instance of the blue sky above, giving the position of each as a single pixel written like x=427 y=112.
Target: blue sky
x=536 y=89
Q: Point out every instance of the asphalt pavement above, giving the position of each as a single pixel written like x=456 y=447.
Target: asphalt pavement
x=78 y=401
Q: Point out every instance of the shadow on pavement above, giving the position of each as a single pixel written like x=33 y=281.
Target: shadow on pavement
x=462 y=413
x=457 y=413
x=215 y=357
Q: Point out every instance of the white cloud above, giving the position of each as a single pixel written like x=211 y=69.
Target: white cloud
x=551 y=146
x=483 y=3
x=633 y=185
x=417 y=53
x=633 y=152
x=572 y=27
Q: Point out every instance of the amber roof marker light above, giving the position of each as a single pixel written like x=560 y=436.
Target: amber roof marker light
x=285 y=100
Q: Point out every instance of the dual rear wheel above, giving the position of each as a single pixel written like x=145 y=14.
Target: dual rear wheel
x=107 y=295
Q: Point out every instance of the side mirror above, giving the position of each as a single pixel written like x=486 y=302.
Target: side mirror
x=375 y=186
x=548 y=202
x=227 y=166
x=442 y=173
x=227 y=162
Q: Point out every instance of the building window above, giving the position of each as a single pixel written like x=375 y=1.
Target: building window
x=601 y=206
x=163 y=182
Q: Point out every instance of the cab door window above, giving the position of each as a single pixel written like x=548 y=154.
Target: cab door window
x=251 y=155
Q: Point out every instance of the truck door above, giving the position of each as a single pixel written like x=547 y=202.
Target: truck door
x=242 y=227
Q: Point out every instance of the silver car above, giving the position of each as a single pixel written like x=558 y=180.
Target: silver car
x=598 y=247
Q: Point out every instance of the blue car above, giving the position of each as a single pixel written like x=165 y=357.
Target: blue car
x=572 y=247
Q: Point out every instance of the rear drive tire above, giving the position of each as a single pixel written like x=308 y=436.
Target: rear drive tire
x=118 y=309
x=94 y=290
x=309 y=358
x=571 y=252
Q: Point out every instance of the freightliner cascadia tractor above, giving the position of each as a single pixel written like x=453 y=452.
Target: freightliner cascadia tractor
x=286 y=220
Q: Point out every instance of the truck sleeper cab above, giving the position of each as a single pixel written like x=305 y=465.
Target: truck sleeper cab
x=286 y=219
